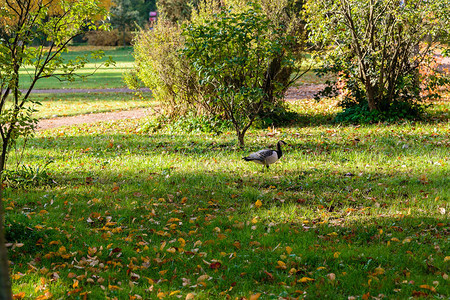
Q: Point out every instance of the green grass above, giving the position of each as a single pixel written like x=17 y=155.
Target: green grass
x=102 y=77
x=350 y=211
x=58 y=105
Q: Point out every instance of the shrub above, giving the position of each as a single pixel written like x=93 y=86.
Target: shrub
x=178 y=63
x=170 y=77
x=379 y=46
x=108 y=38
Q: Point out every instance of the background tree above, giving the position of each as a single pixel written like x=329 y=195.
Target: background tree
x=124 y=16
x=378 y=45
x=23 y=23
x=176 y=10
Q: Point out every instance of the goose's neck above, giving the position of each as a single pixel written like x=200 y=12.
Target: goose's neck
x=279 y=152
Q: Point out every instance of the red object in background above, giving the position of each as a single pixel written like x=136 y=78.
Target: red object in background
x=153 y=15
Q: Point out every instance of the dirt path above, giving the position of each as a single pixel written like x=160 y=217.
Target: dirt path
x=294 y=93
x=306 y=91
x=70 y=91
x=92 y=118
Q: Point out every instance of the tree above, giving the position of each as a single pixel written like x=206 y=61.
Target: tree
x=231 y=60
x=24 y=23
x=124 y=16
x=235 y=54
x=378 y=45
x=176 y=10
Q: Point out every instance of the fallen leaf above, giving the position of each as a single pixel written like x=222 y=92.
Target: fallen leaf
x=255 y=296
x=190 y=296
x=428 y=287
x=20 y=295
x=281 y=265
x=258 y=203
x=378 y=271
x=305 y=279
x=202 y=278
x=215 y=265
x=288 y=250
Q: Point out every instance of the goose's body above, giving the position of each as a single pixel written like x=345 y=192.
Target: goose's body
x=266 y=157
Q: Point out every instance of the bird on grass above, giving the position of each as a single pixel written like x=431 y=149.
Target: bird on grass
x=266 y=157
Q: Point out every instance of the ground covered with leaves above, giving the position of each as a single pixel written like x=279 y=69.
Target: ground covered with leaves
x=350 y=212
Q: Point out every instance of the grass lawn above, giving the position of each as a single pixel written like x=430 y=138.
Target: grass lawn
x=58 y=105
x=108 y=77
x=350 y=212
x=104 y=77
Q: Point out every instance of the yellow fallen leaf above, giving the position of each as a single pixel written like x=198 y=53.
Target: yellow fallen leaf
x=292 y=271
x=190 y=296
x=288 y=250
x=17 y=276
x=202 y=278
x=281 y=265
x=160 y=295
x=182 y=242
x=171 y=250
x=395 y=240
x=447 y=258
x=113 y=287
x=174 y=293
x=378 y=271
x=336 y=254
x=407 y=240
x=320 y=268
x=305 y=279
x=258 y=203
x=255 y=296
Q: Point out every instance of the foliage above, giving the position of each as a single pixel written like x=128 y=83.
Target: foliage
x=378 y=46
x=176 y=11
x=54 y=23
x=114 y=37
x=160 y=68
x=231 y=53
x=124 y=17
x=27 y=176
x=273 y=37
x=348 y=212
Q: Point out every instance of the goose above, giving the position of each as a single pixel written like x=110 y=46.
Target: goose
x=266 y=157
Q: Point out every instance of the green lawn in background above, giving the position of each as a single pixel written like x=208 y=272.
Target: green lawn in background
x=350 y=212
x=59 y=105
x=104 y=77
x=112 y=76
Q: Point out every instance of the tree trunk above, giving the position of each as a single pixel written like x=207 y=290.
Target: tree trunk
x=240 y=136
x=5 y=281
x=371 y=96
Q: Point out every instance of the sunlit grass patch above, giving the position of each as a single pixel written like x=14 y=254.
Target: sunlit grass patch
x=349 y=211
x=58 y=105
